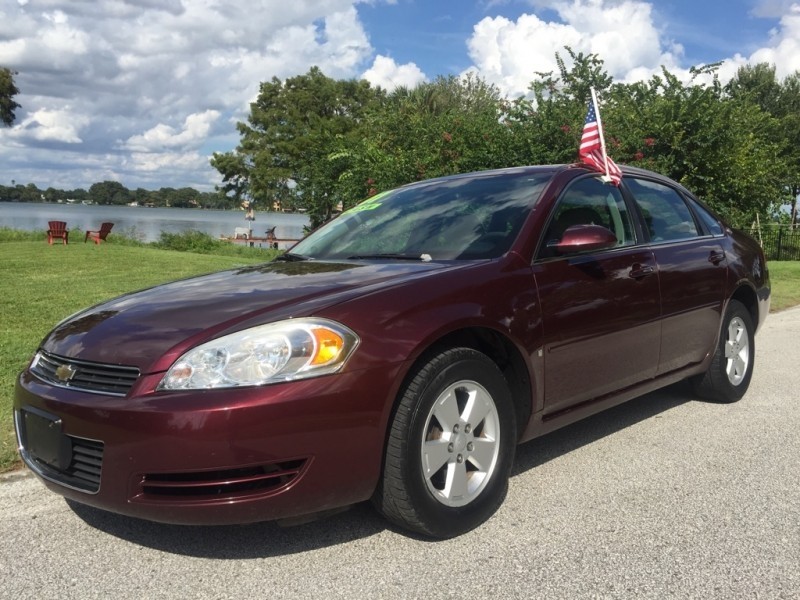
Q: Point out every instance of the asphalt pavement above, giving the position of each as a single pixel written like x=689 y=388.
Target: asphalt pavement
x=663 y=497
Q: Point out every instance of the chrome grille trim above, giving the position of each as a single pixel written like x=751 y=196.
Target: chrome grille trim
x=96 y=378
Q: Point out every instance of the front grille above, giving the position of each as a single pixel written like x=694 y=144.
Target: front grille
x=228 y=483
x=98 y=378
x=71 y=461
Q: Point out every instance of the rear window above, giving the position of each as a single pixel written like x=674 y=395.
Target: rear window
x=709 y=221
x=666 y=215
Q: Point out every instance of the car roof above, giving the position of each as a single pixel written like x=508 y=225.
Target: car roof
x=510 y=171
x=537 y=169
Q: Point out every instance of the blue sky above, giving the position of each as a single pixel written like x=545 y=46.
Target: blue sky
x=434 y=34
x=143 y=91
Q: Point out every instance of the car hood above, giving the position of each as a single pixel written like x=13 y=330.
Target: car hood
x=150 y=329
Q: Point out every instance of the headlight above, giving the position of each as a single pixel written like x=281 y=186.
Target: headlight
x=282 y=351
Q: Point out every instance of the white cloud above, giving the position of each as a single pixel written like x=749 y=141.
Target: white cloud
x=175 y=161
x=782 y=51
x=51 y=125
x=49 y=42
x=156 y=77
x=623 y=34
x=784 y=48
x=508 y=53
x=143 y=90
x=386 y=73
x=772 y=8
x=195 y=130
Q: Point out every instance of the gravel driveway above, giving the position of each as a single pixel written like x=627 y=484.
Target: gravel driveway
x=664 y=496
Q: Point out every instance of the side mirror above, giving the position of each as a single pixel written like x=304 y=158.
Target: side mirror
x=585 y=238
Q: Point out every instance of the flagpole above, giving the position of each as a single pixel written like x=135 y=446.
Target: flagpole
x=600 y=132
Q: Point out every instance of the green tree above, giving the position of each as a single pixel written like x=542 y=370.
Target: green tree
x=547 y=128
x=165 y=196
x=7 y=92
x=78 y=194
x=185 y=198
x=316 y=143
x=450 y=125
x=722 y=150
x=109 y=192
x=215 y=200
x=29 y=193
x=789 y=115
x=140 y=196
x=235 y=174
x=292 y=129
x=758 y=85
x=51 y=194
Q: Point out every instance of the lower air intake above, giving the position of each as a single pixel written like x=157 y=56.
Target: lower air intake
x=228 y=483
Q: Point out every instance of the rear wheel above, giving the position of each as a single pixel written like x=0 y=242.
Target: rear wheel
x=728 y=376
x=451 y=446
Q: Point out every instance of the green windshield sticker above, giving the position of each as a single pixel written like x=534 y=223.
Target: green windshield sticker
x=369 y=204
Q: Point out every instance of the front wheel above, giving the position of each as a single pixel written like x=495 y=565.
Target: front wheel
x=728 y=376
x=450 y=447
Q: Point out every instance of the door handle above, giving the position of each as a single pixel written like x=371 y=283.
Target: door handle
x=716 y=256
x=639 y=271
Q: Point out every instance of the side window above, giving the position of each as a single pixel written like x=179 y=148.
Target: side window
x=589 y=201
x=665 y=213
x=709 y=220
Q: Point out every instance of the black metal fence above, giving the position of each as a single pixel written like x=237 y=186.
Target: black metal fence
x=779 y=243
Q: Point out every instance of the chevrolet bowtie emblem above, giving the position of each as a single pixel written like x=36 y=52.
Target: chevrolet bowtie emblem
x=66 y=372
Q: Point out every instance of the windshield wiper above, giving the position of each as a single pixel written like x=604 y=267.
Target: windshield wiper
x=391 y=256
x=290 y=257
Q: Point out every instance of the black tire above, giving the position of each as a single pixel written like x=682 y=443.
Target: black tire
x=731 y=369
x=477 y=455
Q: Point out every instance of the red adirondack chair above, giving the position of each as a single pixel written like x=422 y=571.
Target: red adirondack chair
x=58 y=231
x=99 y=235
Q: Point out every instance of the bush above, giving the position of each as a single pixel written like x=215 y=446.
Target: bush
x=17 y=235
x=189 y=241
x=199 y=242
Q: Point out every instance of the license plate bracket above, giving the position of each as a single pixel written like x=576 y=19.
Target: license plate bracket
x=44 y=439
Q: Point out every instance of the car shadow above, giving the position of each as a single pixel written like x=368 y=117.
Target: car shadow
x=562 y=441
x=263 y=540
x=236 y=542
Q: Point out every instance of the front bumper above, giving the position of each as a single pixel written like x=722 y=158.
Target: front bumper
x=210 y=456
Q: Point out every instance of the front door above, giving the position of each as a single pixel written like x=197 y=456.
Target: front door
x=600 y=310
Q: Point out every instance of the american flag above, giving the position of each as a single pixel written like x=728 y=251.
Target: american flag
x=592 y=150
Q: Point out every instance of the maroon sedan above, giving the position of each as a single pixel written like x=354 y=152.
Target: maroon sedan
x=399 y=353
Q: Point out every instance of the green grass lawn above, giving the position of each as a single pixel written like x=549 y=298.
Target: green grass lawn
x=785 y=278
x=42 y=284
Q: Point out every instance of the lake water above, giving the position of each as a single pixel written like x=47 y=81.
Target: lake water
x=146 y=224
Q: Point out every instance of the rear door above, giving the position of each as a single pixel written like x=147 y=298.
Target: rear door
x=692 y=271
x=600 y=309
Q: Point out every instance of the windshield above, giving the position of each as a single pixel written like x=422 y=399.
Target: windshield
x=474 y=217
